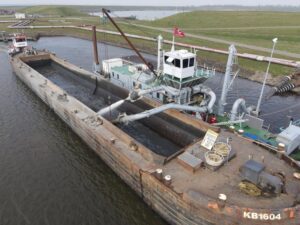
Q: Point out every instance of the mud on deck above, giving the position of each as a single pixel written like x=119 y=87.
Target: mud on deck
x=162 y=134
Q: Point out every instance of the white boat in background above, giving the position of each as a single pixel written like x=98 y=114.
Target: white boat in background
x=19 y=43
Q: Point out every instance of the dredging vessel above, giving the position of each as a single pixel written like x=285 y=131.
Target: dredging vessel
x=188 y=171
x=177 y=83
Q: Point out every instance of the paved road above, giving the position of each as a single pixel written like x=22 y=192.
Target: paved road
x=244 y=28
x=285 y=62
x=217 y=40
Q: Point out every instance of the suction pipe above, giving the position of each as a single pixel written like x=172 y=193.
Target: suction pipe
x=240 y=103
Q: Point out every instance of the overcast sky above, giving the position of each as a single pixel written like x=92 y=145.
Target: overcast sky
x=153 y=2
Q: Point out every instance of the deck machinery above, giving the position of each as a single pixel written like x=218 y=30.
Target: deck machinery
x=180 y=80
x=177 y=83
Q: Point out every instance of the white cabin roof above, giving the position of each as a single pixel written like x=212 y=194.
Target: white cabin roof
x=113 y=60
x=180 y=54
x=290 y=133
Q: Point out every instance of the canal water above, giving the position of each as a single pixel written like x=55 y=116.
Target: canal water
x=49 y=176
x=142 y=15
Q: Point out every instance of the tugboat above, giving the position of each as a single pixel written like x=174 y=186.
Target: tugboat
x=19 y=43
x=177 y=83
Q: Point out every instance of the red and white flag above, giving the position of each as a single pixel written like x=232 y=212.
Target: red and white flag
x=177 y=32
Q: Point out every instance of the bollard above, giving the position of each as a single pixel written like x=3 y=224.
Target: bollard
x=280 y=150
x=241 y=131
x=99 y=121
x=222 y=200
x=159 y=173
x=168 y=180
x=133 y=146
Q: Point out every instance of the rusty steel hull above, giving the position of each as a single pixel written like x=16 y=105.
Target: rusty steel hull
x=135 y=163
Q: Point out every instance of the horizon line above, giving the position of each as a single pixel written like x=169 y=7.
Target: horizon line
x=192 y=5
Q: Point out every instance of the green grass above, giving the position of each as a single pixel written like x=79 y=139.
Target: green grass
x=61 y=11
x=76 y=21
x=219 y=25
x=254 y=28
x=228 y=19
x=209 y=57
x=7 y=17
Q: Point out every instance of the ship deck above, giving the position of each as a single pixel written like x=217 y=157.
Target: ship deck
x=149 y=132
x=204 y=182
x=226 y=179
x=259 y=135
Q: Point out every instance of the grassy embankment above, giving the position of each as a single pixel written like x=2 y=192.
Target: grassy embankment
x=253 y=28
x=46 y=10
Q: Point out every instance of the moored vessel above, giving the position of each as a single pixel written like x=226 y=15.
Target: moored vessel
x=19 y=43
x=178 y=83
x=190 y=172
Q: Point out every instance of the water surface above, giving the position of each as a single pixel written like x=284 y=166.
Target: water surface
x=142 y=15
x=48 y=175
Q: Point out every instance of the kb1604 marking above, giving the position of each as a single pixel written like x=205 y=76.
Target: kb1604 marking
x=261 y=216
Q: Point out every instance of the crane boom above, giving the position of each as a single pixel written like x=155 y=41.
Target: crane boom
x=148 y=64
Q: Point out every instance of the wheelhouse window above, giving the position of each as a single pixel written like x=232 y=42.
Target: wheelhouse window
x=177 y=63
x=20 y=39
x=192 y=62
x=185 y=63
x=166 y=58
x=171 y=61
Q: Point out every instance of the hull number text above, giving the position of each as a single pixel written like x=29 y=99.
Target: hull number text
x=261 y=216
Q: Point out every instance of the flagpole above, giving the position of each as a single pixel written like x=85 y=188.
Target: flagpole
x=173 y=44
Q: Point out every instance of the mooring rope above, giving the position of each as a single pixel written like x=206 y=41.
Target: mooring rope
x=282 y=110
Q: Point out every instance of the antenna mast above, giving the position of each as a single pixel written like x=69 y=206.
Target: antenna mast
x=257 y=111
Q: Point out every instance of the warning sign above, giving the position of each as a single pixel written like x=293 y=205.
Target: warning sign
x=209 y=139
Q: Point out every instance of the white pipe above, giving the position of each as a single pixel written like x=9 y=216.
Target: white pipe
x=125 y=118
x=151 y=90
x=227 y=78
x=237 y=104
x=206 y=90
x=137 y=94
x=212 y=100
x=133 y=96
x=230 y=122
x=110 y=107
